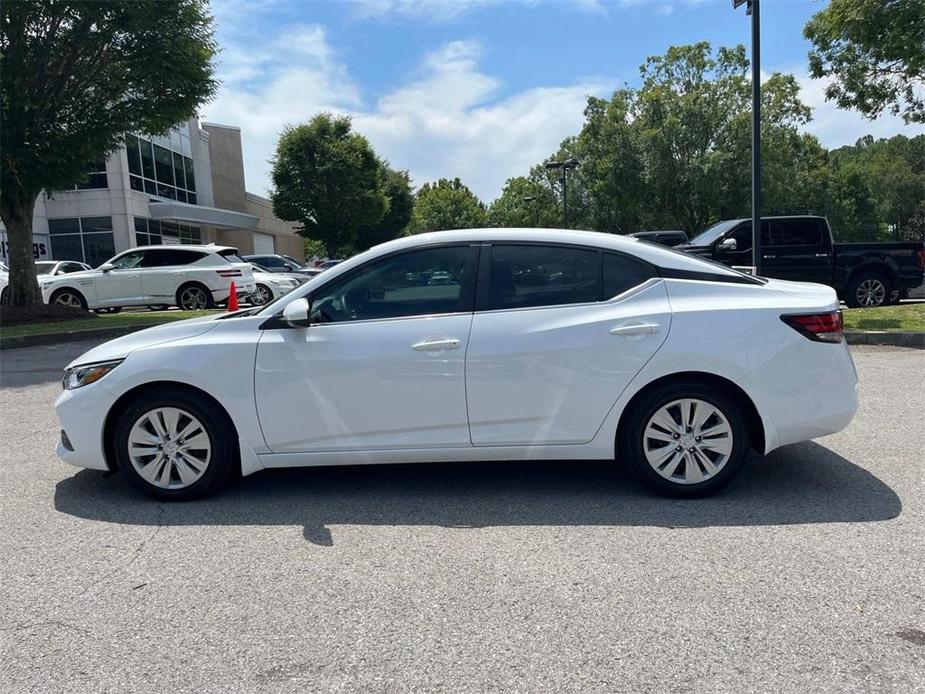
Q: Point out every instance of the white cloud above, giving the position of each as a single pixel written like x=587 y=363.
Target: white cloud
x=444 y=10
x=835 y=126
x=447 y=121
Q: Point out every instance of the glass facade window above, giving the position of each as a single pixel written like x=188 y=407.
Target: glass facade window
x=162 y=166
x=87 y=239
x=151 y=232
x=96 y=178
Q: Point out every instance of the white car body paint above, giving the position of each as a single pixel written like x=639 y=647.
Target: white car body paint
x=363 y=392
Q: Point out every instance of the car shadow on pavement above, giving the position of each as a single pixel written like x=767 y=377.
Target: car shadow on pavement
x=803 y=483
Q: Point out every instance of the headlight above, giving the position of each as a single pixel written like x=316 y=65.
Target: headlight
x=80 y=376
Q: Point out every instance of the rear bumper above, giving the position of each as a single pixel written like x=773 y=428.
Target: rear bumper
x=805 y=391
x=241 y=290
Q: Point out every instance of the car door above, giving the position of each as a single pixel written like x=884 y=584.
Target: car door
x=558 y=334
x=798 y=251
x=122 y=284
x=382 y=365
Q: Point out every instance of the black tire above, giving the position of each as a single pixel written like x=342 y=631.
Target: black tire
x=257 y=300
x=186 y=293
x=632 y=440
x=68 y=297
x=5 y=296
x=868 y=290
x=215 y=424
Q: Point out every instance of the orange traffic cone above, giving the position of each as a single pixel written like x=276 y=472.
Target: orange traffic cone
x=232 y=298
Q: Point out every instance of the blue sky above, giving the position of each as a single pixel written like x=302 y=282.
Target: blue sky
x=480 y=89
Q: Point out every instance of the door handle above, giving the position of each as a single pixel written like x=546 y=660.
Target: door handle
x=822 y=255
x=439 y=344
x=769 y=256
x=636 y=329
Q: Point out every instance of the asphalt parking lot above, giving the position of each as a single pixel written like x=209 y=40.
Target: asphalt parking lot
x=808 y=574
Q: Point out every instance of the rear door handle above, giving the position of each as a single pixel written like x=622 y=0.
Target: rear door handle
x=636 y=329
x=769 y=256
x=822 y=255
x=438 y=344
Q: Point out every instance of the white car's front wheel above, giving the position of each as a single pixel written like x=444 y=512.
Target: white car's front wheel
x=68 y=297
x=262 y=295
x=173 y=444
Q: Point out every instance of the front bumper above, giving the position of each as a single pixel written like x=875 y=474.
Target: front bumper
x=82 y=414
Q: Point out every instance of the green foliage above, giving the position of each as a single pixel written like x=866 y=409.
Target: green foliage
x=515 y=208
x=76 y=76
x=314 y=249
x=446 y=204
x=328 y=179
x=875 y=51
x=395 y=221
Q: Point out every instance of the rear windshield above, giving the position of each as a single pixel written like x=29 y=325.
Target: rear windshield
x=231 y=255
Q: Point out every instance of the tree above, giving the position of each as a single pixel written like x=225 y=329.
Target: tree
x=78 y=75
x=875 y=52
x=446 y=204
x=395 y=221
x=328 y=179
x=515 y=208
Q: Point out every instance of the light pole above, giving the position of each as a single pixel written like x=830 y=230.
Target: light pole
x=565 y=166
x=752 y=7
x=536 y=208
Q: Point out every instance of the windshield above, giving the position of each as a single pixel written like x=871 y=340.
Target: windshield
x=710 y=234
x=43 y=267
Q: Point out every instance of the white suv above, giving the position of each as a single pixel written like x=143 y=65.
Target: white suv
x=191 y=277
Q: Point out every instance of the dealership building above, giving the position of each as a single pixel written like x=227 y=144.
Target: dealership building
x=184 y=187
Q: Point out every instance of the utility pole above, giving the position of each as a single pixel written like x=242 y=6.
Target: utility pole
x=752 y=7
x=565 y=166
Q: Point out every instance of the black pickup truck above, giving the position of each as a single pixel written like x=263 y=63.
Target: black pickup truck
x=801 y=248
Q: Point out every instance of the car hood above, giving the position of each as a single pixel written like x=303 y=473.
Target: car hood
x=121 y=347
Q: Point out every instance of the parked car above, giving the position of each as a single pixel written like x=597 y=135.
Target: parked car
x=279 y=263
x=4 y=284
x=328 y=264
x=665 y=238
x=801 y=248
x=191 y=277
x=269 y=286
x=59 y=267
x=677 y=364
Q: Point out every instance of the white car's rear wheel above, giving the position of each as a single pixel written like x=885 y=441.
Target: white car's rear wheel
x=685 y=439
x=194 y=297
x=174 y=444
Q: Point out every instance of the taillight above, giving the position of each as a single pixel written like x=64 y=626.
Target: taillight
x=821 y=327
x=921 y=255
x=228 y=273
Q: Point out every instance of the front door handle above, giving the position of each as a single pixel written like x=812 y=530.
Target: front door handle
x=635 y=329
x=768 y=256
x=435 y=344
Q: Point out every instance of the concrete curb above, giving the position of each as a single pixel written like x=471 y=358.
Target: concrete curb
x=70 y=335
x=882 y=337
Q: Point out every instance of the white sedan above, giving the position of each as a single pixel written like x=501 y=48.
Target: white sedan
x=545 y=345
x=270 y=286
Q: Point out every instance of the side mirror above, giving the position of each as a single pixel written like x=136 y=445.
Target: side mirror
x=296 y=313
x=106 y=267
x=728 y=245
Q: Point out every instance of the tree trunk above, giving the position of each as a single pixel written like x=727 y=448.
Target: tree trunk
x=16 y=209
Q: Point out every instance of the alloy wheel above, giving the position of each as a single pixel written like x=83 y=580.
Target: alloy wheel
x=688 y=441
x=193 y=299
x=871 y=292
x=169 y=448
x=68 y=299
x=262 y=295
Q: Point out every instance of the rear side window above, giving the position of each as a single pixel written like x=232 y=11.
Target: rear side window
x=622 y=273
x=165 y=257
x=797 y=232
x=523 y=276
x=231 y=255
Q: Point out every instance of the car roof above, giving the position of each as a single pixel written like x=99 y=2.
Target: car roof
x=661 y=256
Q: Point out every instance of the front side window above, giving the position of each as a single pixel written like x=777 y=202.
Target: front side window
x=128 y=260
x=525 y=276
x=423 y=282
